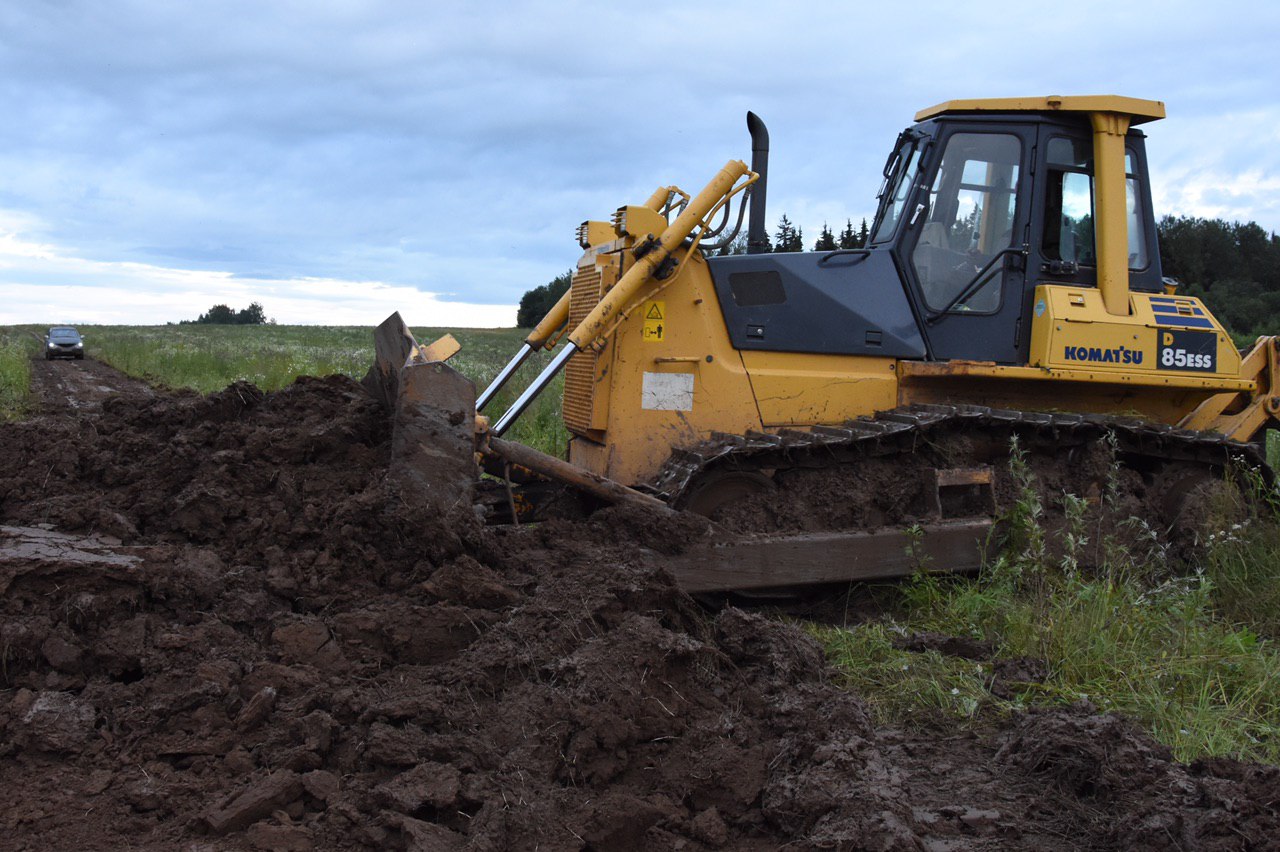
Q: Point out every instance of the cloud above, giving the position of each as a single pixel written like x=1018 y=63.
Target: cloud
x=1237 y=178
x=453 y=149
x=44 y=285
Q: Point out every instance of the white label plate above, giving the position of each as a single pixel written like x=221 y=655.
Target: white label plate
x=667 y=392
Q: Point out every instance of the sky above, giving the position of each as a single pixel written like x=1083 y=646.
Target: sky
x=336 y=161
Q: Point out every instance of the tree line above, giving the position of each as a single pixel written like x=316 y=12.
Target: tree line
x=223 y=315
x=788 y=237
x=1234 y=267
x=535 y=303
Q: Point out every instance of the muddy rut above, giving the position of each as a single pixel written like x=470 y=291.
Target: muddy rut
x=222 y=628
x=68 y=386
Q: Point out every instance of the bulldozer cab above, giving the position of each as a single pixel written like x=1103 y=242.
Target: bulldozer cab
x=982 y=203
x=980 y=206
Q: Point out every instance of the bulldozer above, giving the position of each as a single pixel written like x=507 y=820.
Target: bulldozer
x=1009 y=290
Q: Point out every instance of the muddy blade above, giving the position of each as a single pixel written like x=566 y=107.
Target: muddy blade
x=433 y=413
x=836 y=557
x=392 y=346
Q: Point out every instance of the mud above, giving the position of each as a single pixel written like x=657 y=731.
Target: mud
x=221 y=627
x=1181 y=499
x=79 y=385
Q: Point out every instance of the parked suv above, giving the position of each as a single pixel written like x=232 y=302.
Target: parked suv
x=63 y=341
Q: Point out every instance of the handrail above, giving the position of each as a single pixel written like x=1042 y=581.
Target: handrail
x=974 y=283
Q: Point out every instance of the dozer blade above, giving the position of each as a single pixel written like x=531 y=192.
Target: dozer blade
x=433 y=411
x=836 y=557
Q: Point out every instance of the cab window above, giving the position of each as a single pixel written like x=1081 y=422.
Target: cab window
x=899 y=179
x=1068 y=228
x=972 y=207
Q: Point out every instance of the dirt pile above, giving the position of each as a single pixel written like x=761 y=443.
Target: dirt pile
x=220 y=629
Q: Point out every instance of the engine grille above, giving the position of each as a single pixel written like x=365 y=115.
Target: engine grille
x=580 y=372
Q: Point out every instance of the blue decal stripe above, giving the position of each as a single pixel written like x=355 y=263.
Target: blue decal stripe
x=1189 y=322
x=1173 y=312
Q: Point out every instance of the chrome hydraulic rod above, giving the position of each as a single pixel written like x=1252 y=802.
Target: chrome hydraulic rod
x=531 y=392
x=496 y=385
x=597 y=323
x=537 y=339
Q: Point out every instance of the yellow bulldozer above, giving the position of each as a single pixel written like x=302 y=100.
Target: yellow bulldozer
x=1010 y=288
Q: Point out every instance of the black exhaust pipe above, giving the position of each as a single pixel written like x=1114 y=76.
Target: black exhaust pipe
x=757 y=238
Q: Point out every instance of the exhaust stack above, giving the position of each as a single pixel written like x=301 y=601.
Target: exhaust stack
x=757 y=239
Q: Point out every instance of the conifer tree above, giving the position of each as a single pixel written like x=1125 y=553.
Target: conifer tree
x=826 y=240
x=789 y=238
x=848 y=237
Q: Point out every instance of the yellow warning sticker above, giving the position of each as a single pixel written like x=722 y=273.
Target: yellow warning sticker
x=655 y=322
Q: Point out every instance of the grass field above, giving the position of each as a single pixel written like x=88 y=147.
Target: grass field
x=1195 y=657
x=207 y=358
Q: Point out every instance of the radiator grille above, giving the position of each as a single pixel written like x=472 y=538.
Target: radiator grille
x=580 y=372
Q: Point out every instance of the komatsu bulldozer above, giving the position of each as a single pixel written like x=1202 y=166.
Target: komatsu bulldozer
x=1010 y=289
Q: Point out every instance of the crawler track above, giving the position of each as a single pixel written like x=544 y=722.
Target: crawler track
x=1071 y=452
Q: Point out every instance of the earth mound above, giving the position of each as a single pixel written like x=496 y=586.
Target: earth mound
x=222 y=628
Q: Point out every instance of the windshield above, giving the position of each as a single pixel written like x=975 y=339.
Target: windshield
x=64 y=334
x=899 y=177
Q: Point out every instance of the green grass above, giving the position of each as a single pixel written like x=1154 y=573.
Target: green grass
x=1194 y=658
x=16 y=350
x=900 y=685
x=207 y=358
x=1243 y=565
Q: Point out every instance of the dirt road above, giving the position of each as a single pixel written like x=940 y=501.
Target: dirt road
x=64 y=385
x=222 y=629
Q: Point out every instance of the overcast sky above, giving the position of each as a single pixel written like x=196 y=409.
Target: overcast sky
x=339 y=160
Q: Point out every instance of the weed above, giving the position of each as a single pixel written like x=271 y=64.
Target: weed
x=920 y=558
x=1194 y=658
x=16 y=350
x=1074 y=539
x=1243 y=558
x=1024 y=555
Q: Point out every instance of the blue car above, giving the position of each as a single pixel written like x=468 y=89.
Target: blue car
x=63 y=341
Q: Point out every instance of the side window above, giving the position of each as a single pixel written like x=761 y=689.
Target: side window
x=1068 y=221
x=1068 y=224
x=972 y=205
x=1132 y=200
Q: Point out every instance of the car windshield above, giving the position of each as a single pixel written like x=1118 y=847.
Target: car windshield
x=63 y=334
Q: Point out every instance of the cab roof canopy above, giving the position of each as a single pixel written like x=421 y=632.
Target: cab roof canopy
x=1138 y=110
